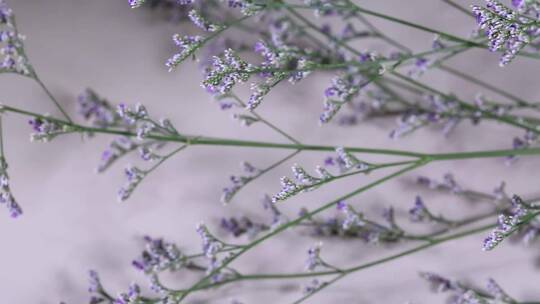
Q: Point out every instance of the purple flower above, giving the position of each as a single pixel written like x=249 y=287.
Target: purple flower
x=134 y=177
x=503 y=29
x=517 y=3
x=225 y=72
x=438 y=283
x=507 y=223
x=314 y=260
x=94 y=282
x=45 y=129
x=187 y=45
x=201 y=22
x=96 y=110
x=288 y=189
x=419 y=211
x=421 y=65
x=158 y=256
x=343 y=90
x=238 y=182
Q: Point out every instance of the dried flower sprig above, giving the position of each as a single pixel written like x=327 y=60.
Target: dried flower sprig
x=98 y=111
x=461 y=293
x=250 y=172
x=12 y=57
x=6 y=196
x=516 y=218
x=505 y=28
x=136 y=175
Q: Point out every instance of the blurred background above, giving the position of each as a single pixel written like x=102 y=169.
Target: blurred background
x=73 y=223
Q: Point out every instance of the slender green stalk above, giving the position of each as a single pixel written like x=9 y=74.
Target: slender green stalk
x=458 y=7
x=164 y=158
x=33 y=75
x=484 y=84
x=199 y=140
x=265 y=121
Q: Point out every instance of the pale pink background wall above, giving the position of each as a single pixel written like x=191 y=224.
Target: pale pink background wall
x=72 y=221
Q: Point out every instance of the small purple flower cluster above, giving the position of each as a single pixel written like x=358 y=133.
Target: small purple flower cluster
x=421 y=65
x=497 y=292
x=344 y=161
x=313 y=286
x=288 y=189
x=281 y=60
x=134 y=177
x=303 y=181
x=132 y=296
x=508 y=223
x=98 y=111
x=436 y=110
x=461 y=293
x=314 y=257
x=6 y=197
x=158 y=256
x=138 y=118
x=187 y=45
x=198 y=20
x=349 y=223
x=118 y=147
x=211 y=248
x=519 y=143
x=12 y=56
x=349 y=161
x=278 y=218
x=247 y=7
x=95 y=288
x=353 y=219
x=438 y=283
x=343 y=90
x=225 y=72
x=136 y=3
x=448 y=183
x=419 y=212
x=46 y=129
x=239 y=181
x=244 y=225
x=505 y=29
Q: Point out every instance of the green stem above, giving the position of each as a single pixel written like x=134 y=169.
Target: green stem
x=198 y=140
x=481 y=83
x=51 y=96
x=458 y=7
